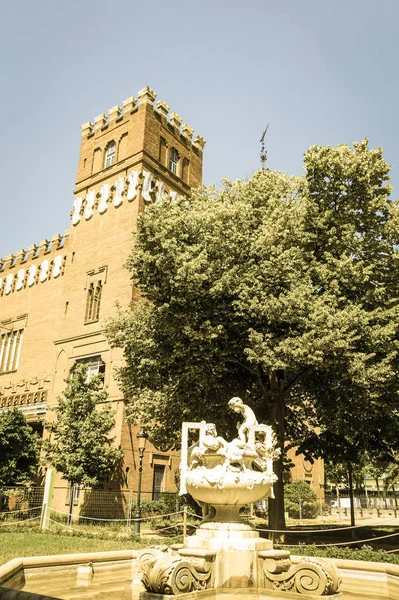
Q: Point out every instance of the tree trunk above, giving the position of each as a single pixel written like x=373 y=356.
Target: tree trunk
x=351 y=494
x=276 y=505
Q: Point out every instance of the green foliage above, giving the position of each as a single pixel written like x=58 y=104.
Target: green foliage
x=299 y=491
x=171 y=501
x=43 y=543
x=365 y=553
x=80 y=446
x=281 y=290
x=150 y=508
x=19 y=449
x=300 y=501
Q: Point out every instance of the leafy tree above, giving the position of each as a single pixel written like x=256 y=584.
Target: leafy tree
x=80 y=446
x=300 y=500
x=265 y=289
x=19 y=449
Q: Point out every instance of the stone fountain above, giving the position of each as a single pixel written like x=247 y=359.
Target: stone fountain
x=226 y=554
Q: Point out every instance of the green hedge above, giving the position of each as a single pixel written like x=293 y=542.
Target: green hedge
x=366 y=553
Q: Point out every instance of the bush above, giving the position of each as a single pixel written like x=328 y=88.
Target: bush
x=365 y=553
x=151 y=508
x=309 y=510
x=299 y=494
x=171 y=501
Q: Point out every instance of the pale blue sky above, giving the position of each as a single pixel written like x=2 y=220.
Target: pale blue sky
x=321 y=73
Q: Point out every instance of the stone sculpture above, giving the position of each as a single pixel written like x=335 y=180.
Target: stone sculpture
x=226 y=552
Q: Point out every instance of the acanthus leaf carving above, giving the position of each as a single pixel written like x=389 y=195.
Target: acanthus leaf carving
x=315 y=576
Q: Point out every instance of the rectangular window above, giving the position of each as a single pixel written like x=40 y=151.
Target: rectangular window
x=95 y=366
x=10 y=350
x=158 y=481
x=93 y=301
x=94 y=288
x=173 y=160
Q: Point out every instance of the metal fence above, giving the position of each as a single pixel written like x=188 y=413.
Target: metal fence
x=363 y=503
x=20 y=503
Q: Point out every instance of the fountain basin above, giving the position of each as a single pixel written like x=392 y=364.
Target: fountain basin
x=114 y=576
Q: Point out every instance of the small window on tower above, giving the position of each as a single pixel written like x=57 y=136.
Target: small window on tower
x=94 y=289
x=93 y=302
x=110 y=152
x=173 y=160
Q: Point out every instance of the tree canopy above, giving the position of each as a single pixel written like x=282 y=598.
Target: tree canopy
x=80 y=446
x=275 y=289
x=19 y=449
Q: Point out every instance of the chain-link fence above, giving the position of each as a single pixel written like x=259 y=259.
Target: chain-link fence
x=20 y=503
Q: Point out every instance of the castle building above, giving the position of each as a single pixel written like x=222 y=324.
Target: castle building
x=56 y=295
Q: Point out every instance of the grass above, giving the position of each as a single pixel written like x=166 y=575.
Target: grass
x=25 y=541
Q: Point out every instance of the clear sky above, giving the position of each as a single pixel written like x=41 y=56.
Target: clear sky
x=321 y=72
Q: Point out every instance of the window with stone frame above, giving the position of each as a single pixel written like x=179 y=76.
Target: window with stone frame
x=11 y=337
x=158 y=481
x=173 y=160
x=94 y=364
x=110 y=154
x=94 y=291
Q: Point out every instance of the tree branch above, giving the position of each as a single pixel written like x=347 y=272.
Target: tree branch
x=298 y=378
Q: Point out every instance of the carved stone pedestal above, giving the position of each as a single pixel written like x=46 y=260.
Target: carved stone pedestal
x=236 y=546
x=231 y=558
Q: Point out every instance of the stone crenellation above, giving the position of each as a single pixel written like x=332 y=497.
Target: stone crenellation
x=129 y=106
x=37 y=264
x=34 y=251
x=137 y=183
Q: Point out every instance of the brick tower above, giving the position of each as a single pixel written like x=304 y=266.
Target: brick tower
x=56 y=295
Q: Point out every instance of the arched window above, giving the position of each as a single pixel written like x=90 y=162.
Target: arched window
x=110 y=152
x=173 y=160
x=93 y=302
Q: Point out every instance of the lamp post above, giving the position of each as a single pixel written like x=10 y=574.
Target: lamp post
x=141 y=440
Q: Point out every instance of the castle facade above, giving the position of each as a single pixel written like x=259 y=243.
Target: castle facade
x=56 y=295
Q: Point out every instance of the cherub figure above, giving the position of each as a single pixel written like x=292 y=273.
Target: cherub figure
x=211 y=443
x=250 y=420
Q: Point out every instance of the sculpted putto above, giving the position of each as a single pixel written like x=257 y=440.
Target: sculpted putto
x=250 y=420
x=220 y=474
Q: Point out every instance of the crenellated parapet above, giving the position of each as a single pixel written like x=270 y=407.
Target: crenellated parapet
x=123 y=190
x=130 y=106
x=35 y=265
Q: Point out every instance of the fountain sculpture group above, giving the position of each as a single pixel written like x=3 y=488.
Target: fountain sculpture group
x=225 y=553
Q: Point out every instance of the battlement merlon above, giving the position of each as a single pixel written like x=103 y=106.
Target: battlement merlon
x=33 y=252
x=146 y=97
x=114 y=113
x=199 y=143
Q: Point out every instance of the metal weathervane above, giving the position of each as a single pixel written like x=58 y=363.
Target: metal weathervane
x=263 y=153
